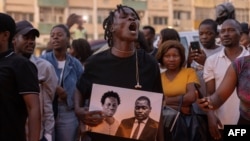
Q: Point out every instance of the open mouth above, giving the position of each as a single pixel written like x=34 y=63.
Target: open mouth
x=55 y=43
x=132 y=26
x=226 y=40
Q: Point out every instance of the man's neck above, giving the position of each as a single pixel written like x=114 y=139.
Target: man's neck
x=233 y=52
x=60 y=54
x=123 y=49
x=26 y=55
x=151 y=48
x=214 y=46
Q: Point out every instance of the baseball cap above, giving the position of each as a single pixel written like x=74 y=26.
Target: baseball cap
x=224 y=11
x=23 y=27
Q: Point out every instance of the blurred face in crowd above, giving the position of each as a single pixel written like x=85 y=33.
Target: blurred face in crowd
x=172 y=59
x=245 y=40
x=230 y=33
x=25 y=44
x=59 y=39
x=148 y=36
x=207 y=35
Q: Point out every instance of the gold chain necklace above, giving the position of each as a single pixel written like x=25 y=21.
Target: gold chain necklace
x=125 y=52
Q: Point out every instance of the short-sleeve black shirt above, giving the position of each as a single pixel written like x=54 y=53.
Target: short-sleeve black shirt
x=107 y=69
x=18 y=76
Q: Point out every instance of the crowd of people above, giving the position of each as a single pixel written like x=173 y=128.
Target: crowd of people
x=46 y=98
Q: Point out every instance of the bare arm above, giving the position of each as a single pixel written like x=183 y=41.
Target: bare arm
x=213 y=121
x=72 y=19
x=188 y=98
x=78 y=100
x=34 y=116
x=91 y=118
x=210 y=87
x=225 y=89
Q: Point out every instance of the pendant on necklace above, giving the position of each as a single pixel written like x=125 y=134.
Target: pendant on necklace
x=138 y=86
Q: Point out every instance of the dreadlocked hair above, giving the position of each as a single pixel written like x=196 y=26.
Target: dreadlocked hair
x=107 y=23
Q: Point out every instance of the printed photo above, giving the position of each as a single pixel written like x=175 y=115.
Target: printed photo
x=128 y=113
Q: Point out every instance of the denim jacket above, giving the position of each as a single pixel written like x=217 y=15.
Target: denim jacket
x=72 y=72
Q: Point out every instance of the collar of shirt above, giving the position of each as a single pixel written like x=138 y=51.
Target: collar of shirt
x=243 y=53
x=6 y=54
x=143 y=121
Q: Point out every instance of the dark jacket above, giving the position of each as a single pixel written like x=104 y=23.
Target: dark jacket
x=148 y=133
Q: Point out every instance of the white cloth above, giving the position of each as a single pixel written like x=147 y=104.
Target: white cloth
x=215 y=68
x=48 y=83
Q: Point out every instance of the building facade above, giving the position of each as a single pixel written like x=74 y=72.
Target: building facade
x=183 y=15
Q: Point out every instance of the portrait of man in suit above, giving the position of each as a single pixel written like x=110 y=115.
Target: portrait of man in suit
x=141 y=126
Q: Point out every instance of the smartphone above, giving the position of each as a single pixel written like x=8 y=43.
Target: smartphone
x=198 y=90
x=195 y=45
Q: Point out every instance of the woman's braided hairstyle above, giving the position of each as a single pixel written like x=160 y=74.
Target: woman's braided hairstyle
x=109 y=21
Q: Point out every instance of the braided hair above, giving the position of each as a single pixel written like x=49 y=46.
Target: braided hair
x=107 y=23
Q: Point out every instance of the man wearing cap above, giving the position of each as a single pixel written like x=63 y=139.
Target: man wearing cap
x=224 y=11
x=24 y=44
x=19 y=89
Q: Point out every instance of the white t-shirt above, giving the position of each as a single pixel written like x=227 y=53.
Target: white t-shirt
x=215 y=68
x=61 y=65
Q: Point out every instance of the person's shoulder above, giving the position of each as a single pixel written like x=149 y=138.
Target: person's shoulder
x=19 y=59
x=39 y=60
x=153 y=122
x=128 y=119
x=99 y=56
x=146 y=57
x=73 y=59
x=189 y=70
x=46 y=55
x=215 y=56
x=20 y=63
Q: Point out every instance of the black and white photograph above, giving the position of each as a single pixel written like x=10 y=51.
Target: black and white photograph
x=129 y=113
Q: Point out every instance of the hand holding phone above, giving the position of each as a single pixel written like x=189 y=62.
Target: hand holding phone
x=195 y=45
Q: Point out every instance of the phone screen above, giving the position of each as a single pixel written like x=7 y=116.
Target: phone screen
x=195 y=45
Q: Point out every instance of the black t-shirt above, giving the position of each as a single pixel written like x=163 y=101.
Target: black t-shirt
x=18 y=76
x=107 y=69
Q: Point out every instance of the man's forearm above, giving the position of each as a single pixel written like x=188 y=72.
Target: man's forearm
x=216 y=101
x=34 y=124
